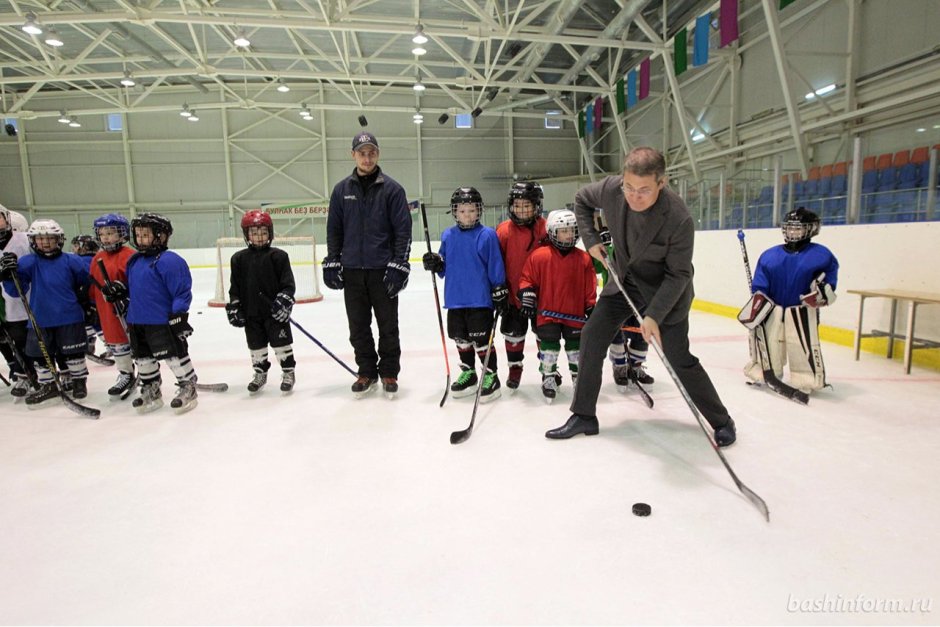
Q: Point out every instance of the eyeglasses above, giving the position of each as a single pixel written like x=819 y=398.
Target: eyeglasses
x=643 y=192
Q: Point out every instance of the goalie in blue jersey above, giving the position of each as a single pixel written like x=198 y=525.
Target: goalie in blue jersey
x=791 y=282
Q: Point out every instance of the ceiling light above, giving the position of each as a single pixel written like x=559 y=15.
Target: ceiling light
x=821 y=91
x=419 y=36
x=418 y=86
x=127 y=81
x=418 y=51
x=74 y=123
x=63 y=118
x=193 y=117
x=185 y=112
x=241 y=40
x=419 y=119
x=52 y=39
x=31 y=27
x=921 y=130
x=305 y=112
x=282 y=86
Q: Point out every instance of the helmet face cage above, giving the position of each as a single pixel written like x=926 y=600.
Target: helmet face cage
x=559 y=223
x=800 y=225
x=160 y=228
x=115 y=221
x=526 y=190
x=7 y=224
x=46 y=228
x=84 y=245
x=466 y=196
x=257 y=218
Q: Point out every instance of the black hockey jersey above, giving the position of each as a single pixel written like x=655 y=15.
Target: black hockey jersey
x=260 y=271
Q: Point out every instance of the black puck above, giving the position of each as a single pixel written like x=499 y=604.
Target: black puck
x=641 y=509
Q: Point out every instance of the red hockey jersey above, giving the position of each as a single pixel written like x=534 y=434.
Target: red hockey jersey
x=517 y=243
x=564 y=283
x=116 y=264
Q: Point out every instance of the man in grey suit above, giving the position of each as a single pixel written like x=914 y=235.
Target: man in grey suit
x=653 y=236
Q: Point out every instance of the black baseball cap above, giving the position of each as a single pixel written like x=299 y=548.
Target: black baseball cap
x=364 y=139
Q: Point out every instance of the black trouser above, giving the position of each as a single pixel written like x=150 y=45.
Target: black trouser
x=606 y=318
x=364 y=292
x=17 y=332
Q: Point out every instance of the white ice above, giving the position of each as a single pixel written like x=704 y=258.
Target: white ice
x=318 y=508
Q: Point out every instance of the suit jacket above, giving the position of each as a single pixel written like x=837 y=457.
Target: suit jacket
x=657 y=274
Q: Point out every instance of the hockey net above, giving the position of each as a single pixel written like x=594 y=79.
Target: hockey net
x=302 y=252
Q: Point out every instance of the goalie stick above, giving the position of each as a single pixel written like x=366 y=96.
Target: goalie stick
x=752 y=496
x=462 y=436
x=763 y=356
x=78 y=408
x=437 y=307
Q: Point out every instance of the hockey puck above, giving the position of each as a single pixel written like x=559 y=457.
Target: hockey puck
x=641 y=509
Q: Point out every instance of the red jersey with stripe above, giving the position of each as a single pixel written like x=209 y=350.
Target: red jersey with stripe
x=517 y=243
x=116 y=265
x=565 y=283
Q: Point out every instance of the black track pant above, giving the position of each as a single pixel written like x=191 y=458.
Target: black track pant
x=364 y=292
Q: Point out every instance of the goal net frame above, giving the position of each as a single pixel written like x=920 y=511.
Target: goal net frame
x=223 y=268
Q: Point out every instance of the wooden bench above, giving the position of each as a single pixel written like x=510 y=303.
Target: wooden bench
x=915 y=299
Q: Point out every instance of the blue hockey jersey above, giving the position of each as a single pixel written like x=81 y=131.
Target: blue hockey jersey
x=473 y=265
x=785 y=276
x=56 y=283
x=159 y=286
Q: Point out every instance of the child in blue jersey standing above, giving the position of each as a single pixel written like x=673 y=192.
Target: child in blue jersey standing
x=791 y=282
x=471 y=264
x=158 y=295
x=58 y=281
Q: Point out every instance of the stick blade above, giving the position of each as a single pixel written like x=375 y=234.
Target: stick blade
x=446 y=391
x=757 y=501
x=459 y=436
x=78 y=408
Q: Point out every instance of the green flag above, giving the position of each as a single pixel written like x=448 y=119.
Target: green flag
x=785 y=3
x=621 y=98
x=581 y=123
x=680 y=48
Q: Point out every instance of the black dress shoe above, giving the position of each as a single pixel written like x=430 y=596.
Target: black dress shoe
x=726 y=435
x=575 y=425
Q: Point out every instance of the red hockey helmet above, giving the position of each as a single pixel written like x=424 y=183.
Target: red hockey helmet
x=256 y=217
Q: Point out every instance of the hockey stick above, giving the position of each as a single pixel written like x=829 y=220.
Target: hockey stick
x=763 y=355
x=18 y=356
x=461 y=436
x=752 y=496
x=437 y=307
x=203 y=387
x=78 y=408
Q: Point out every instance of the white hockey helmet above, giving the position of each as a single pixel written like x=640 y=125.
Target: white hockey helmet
x=7 y=224
x=19 y=221
x=558 y=220
x=45 y=226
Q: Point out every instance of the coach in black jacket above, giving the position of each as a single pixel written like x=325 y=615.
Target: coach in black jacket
x=368 y=239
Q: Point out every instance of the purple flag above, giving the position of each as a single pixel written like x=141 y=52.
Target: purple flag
x=728 y=21
x=644 y=78
x=598 y=112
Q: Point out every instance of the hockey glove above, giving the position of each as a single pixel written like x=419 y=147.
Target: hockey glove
x=235 y=316
x=529 y=300
x=396 y=277
x=588 y=312
x=500 y=296
x=755 y=310
x=179 y=325
x=820 y=293
x=282 y=306
x=8 y=265
x=606 y=238
x=333 y=272
x=433 y=262
x=91 y=313
x=114 y=291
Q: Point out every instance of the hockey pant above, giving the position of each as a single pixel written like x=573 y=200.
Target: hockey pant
x=791 y=335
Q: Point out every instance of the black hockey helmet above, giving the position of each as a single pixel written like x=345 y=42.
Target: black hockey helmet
x=464 y=196
x=161 y=228
x=525 y=190
x=84 y=245
x=256 y=217
x=799 y=227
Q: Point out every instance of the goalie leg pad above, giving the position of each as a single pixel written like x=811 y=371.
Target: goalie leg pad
x=767 y=348
x=807 y=370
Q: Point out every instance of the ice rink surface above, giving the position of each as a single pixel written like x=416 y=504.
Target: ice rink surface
x=318 y=508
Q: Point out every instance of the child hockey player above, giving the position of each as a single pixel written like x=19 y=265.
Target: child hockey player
x=521 y=234
x=791 y=282
x=158 y=295
x=13 y=335
x=112 y=232
x=85 y=246
x=58 y=281
x=474 y=284
x=559 y=279
x=261 y=298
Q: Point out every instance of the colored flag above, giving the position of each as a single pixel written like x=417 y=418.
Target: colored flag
x=680 y=51
x=631 y=88
x=644 y=78
x=785 y=3
x=700 y=47
x=598 y=112
x=728 y=21
x=589 y=119
x=581 y=124
x=621 y=98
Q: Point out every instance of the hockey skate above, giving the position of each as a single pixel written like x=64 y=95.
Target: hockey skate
x=639 y=371
x=79 y=388
x=622 y=378
x=514 y=378
x=123 y=387
x=257 y=382
x=390 y=387
x=363 y=386
x=490 y=391
x=43 y=395
x=287 y=380
x=150 y=399
x=550 y=383
x=465 y=385
x=185 y=398
x=65 y=380
x=20 y=386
